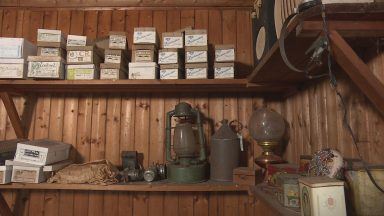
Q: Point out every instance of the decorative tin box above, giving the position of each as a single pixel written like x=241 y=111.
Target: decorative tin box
x=288 y=193
x=247 y=176
x=322 y=196
x=41 y=152
x=16 y=48
x=196 y=37
x=46 y=67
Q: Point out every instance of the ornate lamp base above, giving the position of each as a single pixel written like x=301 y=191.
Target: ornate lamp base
x=268 y=157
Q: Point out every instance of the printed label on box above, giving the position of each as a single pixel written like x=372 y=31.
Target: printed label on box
x=80 y=73
x=143 y=55
x=79 y=56
x=117 y=41
x=111 y=58
x=169 y=73
x=172 y=42
x=144 y=37
x=196 y=56
x=109 y=73
x=168 y=57
x=48 y=37
x=76 y=40
x=48 y=51
x=44 y=69
x=223 y=55
x=224 y=72
x=196 y=73
x=11 y=70
x=196 y=40
x=10 y=51
x=27 y=176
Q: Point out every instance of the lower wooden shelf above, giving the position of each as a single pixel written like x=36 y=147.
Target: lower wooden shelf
x=134 y=186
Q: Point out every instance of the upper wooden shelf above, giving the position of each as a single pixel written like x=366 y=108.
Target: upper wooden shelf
x=135 y=186
x=350 y=20
x=103 y=86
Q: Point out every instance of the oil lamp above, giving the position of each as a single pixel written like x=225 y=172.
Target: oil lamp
x=189 y=164
x=267 y=127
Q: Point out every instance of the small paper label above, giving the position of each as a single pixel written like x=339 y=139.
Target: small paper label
x=109 y=73
x=172 y=42
x=224 y=72
x=196 y=73
x=144 y=37
x=142 y=73
x=168 y=58
x=48 y=51
x=48 y=37
x=44 y=69
x=223 y=55
x=169 y=73
x=241 y=141
x=117 y=41
x=111 y=58
x=143 y=55
x=79 y=56
x=196 y=40
x=196 y=56
x=76 y=40
x=27 y=176
x=80 y=73
x=11 y=70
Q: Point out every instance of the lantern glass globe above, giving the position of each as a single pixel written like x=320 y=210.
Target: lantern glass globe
x=266 y=125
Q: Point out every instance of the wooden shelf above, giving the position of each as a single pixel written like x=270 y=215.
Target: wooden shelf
x=103 y=86
x=350 y=20
x=139 y=186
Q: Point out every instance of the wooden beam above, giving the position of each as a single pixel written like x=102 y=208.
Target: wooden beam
x=344 y=28
x=4 y=208
x=357 y=70
x=13 y=115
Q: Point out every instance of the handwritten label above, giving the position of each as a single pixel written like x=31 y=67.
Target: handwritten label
x=45 y=35
x=27 y=176
x=44 y=69
x=11 y=71
x=117 y=42
x=146 y=37
x=76 y=40
x=172 y=42
x=196 y=40
x=168 y=57
x=112 y=58
x=48 y=51
x=196 y=56
x=109 y=73
x=142 y=72
x=224 y=72
x=169 y=73
x=196 y=73
x=79 y=56
x=224 y=55
x=80 y=73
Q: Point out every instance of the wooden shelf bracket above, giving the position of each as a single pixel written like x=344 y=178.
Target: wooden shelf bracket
x=13 y=115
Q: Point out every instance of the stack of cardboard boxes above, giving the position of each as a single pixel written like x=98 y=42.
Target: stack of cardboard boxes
x=196 y=54
x=144 y=52
x=34 y=161
x=224 y=62
x=115 y=57
x=13 y=56
x=83 y=59
x=170 y=56
x=49 y=62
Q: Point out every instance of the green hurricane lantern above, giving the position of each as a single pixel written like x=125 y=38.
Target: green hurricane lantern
x=267 y=127
x=189 y=164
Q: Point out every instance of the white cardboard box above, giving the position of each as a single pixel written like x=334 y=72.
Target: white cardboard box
x=224 y=71
x=170 y=71
x=142 y=70
x=82 y=72
x=5 y=174
x=196 y=37
x=117 y=40
x=46 y=67
x=144 y=35
x=196 y=54
x=16 y=48
x=224 y=53
x=83 y=55
x=27 y=174
x=173 y=40
x=168 y=56
x=76 y=40
x=112 y=71
x=322 y=196
x=50 y=38
x=47 y=168
x=41 y=152
x=196 y=71
x=51 y=51
x=13 y=69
